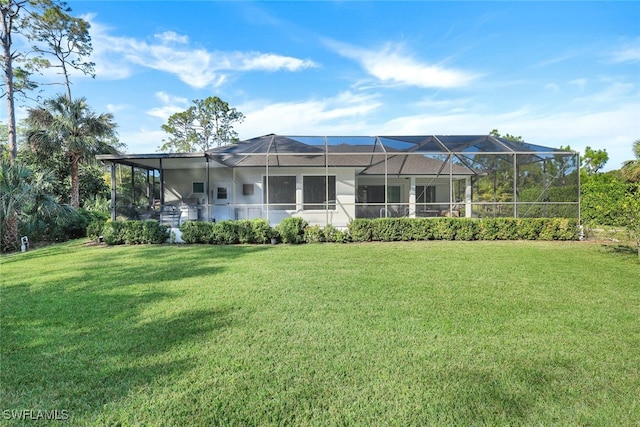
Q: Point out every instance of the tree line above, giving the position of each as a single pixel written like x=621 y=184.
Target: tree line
x=47 y=164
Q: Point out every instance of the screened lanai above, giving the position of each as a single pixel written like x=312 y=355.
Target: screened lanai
x=334 y=179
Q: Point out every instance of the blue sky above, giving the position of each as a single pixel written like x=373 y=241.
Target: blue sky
x=555 y=73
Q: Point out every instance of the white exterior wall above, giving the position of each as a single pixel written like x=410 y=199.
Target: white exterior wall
x=178 y=190
x=254 y=206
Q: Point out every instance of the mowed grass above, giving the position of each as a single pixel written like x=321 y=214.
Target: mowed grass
x=416 y=333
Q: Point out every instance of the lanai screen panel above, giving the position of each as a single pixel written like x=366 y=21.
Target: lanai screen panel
x=548 y=185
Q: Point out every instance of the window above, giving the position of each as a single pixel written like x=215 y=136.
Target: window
x=197 y=187
x=315 y=193
x=247 y=189
x=281 y=191
x=221 y=193
x=425 y=194
x=375 y=193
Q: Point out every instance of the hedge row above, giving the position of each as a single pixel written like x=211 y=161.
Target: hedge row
x=134 y=232
x=227 y=232
x=297 y=230
x=394 y=229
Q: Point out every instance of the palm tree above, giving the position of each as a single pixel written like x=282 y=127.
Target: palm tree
x=69 y=126
x=631 y=168
x=25 y=199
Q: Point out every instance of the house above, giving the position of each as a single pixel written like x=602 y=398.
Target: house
x=334 y=179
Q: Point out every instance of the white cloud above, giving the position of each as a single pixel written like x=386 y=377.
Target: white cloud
x=172 y=36
x=345 y=113
x=272 y=62
x=391 y=66
x=171 y=53
x=629 y=52
x=171 y=104
x=143 y=140
x=114 y=108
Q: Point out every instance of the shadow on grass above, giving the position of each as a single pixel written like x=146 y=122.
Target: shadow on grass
x=103 y=326
x=621 y=250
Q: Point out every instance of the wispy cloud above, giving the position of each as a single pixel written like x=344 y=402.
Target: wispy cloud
x=628 y=52
x=272 y=62
x=173 y=53
x=171 y=104
x=391 y=65
x=344 y=113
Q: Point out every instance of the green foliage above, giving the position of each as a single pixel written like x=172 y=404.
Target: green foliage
x=245 y=231
x=386 y=229
x=335 y=235
x=27 y=206
x=135 y=232
x=262 y=231
x=113 y=233
x=602 y=199
x=313 y=234
x=197 y=232
x=206 y=124
x=72 y=128
x=594 y=160
x=423 y=228
x=64 y=37
x=361 y=230
x=467 y=229
x=444 y=229
x=226 y=232
x=291 y=229
x=396 y=229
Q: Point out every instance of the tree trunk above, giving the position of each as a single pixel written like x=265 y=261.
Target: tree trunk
x=75 y=180
x=7 y=19
x=10 y=236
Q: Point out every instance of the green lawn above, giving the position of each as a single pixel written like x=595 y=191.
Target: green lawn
x=416 y=333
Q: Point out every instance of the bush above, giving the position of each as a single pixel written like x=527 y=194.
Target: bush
x=291 y=229
x=154 y=233
x=423 y=228
x=262 y=231
x=197 y=232
x=226 y=232
x=361 y=230
x=112 y=233
x=335 y=235
x=467 y=229
x=313 y=234
x=390 y=229
x=135 y=232
x=444 y=228
x=530 y=228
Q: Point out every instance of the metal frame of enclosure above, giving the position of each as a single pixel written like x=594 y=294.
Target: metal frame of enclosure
x=334 y=179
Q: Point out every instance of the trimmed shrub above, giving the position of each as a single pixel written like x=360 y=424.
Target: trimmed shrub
x=335 y=235
x=467 y=229
x=361 y=230
x=530 y=228
x=153 y=232
x=261 y=231
x=444 y=228
x=245 y=231
x=197 y=232
x=291 y=229
x=113 y=233
x=386 y=229
x=423 y=228
x=226 y=232
x=313 y=234
x=133 y=232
